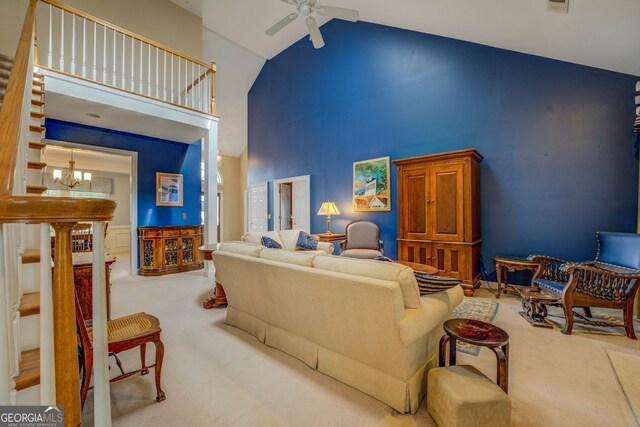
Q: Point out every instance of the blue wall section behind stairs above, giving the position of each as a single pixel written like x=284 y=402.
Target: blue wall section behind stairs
x=154 y=155
x=556 y=136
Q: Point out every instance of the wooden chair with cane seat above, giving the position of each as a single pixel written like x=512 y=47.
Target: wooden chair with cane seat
x=123 y=333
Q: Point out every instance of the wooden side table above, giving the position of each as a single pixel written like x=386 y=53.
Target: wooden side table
x=218 y=299
x=479 y=333
x=324 y=237
x=504 y=264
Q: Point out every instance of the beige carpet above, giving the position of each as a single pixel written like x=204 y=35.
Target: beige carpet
x=627 y=368
x=217 y=375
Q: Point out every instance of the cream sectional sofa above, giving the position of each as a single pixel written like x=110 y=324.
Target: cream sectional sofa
x=286 y=238
x=361 y=322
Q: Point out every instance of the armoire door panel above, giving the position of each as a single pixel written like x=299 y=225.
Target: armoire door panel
x=451 y=260
x=447 y=202
x=415 y=218
x=418 y=252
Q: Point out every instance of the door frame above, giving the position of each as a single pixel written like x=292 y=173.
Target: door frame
x=303 y=179
x=133 y=200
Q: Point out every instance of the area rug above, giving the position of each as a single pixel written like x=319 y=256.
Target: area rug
x=476 y=309
x=627 y=368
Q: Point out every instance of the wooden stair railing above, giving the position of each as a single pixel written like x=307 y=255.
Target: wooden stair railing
x=59 y=375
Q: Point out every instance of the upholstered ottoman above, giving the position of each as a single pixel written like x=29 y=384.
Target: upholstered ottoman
x=462 y=396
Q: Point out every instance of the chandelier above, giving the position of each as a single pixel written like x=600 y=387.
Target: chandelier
x=73 y=177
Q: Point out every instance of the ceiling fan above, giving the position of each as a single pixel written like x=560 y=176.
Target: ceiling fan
x=306 y=8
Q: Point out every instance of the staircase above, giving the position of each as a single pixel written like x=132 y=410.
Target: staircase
x=29 y=308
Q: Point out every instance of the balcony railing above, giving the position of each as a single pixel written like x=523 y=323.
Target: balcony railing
x=75 y=43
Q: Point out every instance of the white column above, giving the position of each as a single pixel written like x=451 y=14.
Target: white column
x=5 y=377
x=47 y=355
x=102 y=399
x=210 y=157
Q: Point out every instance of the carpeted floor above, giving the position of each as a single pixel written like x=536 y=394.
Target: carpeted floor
x=217 y=375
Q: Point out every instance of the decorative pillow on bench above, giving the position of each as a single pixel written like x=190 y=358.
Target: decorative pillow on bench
x=306 y=242
x=270 y=243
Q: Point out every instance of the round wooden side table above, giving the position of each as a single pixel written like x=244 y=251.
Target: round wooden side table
x=479 y=333
x=506 y=263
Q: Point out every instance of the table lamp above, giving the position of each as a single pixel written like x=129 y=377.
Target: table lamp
x=328 y=209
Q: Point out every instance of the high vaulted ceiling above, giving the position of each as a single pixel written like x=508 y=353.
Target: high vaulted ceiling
x=603 y=34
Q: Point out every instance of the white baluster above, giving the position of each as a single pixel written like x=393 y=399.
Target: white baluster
x=102 y=399
x=149 y=70
x=140 y=90
x=84 y=48
x=157 y=82
x=113 y=65
x=133 y=74
x=6 y=383
x=95 y=52
x=104 y=54
x=179 y=92
x=73 y=44
x=124 y=48
x=172 y=77
x=164 y=76
x=50 y=53
x=61 y=40
x=47 y=355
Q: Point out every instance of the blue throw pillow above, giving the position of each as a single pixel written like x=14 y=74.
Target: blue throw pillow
x=270 y=243
x=306 y=242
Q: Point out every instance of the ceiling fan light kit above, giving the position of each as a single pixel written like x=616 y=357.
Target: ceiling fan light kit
x=306 y=8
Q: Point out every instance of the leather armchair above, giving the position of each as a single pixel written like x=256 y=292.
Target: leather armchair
x=362 y=240
x=610 y=281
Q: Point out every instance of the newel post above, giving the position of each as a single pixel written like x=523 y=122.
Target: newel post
x=64 y=327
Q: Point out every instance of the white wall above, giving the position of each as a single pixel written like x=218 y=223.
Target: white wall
x=237 y=70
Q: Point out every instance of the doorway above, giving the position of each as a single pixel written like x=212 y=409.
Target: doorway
x=292 y=203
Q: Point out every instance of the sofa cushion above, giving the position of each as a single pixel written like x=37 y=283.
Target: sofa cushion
x=256 y=237
x=375 y=270
x=270 y=243
x=289 y=238
x=242 y=248
x=306 y=242
x=302 y=258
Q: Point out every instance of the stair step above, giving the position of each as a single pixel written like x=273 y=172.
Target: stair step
x=37 y=102
x=33 y=128
x=36 y=145
x=36 y=165
x=4 y=65
x=38 y=83
x=38 y=75
x=36 y=189
x=37 y=115
x=29 y=369
x=31 y=256
x=37 y=92
x=30 y=304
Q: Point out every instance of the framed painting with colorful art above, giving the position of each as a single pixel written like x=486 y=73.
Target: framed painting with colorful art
x=168 y=189
x=371 y=185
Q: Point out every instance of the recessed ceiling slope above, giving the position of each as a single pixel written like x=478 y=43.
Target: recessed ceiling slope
x=603 y=34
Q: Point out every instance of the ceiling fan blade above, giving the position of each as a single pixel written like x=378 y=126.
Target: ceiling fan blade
x=314 y=32
x=339 y=12
x=281 y=24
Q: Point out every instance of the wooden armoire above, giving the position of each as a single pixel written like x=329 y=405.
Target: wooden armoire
x=439 y=213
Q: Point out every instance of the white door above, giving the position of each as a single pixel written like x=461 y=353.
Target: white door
x=300 y=214
x=258 y=207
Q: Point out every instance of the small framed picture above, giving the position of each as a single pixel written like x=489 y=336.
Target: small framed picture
x=371 y=185
x=168 y=189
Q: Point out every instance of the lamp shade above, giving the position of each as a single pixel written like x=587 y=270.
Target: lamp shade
x=328 y=208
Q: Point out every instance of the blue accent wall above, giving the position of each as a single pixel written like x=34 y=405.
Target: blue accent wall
x=154 y=155
x=556 y=137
